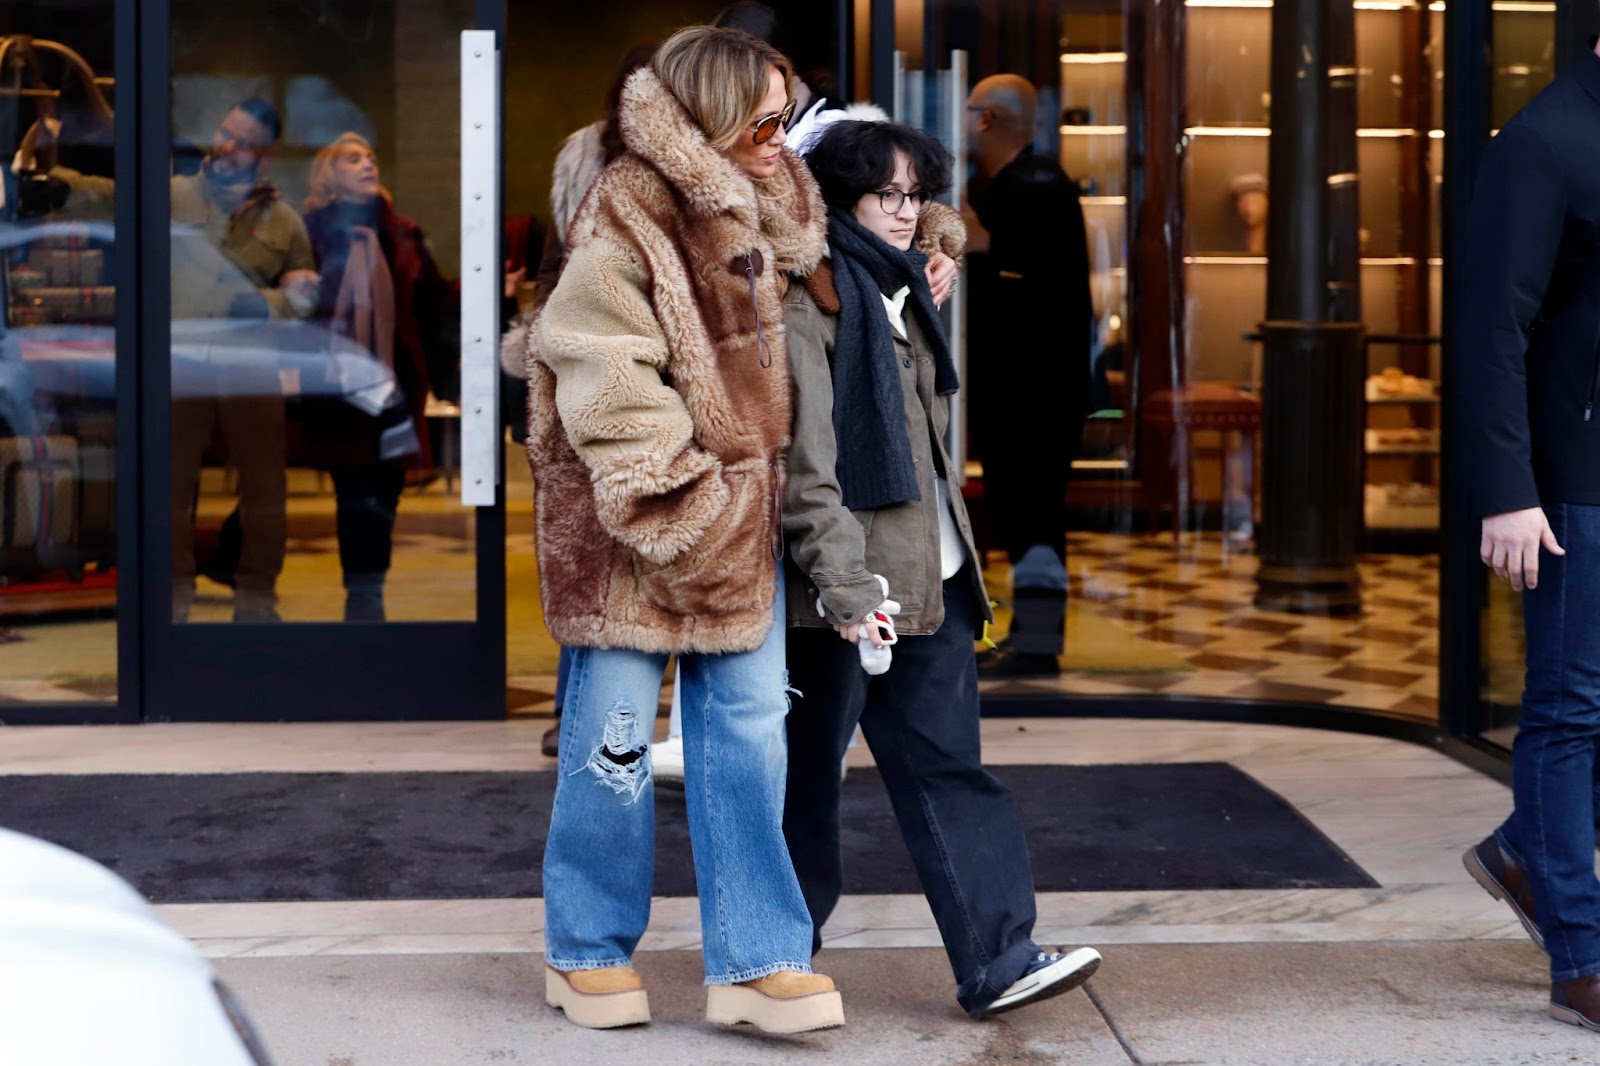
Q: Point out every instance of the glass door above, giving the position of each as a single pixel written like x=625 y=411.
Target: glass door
x=65 y=347
x=323 y=519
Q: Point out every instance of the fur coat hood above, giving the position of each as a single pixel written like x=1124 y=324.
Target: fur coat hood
x=579 y=162
x=785 y=208
x=659 y=405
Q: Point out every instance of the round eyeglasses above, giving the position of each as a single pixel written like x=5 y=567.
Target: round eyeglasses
x=763 y=130
x=892 y=200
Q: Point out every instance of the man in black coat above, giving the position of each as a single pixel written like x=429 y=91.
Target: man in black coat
x=1527 y=366
x=1029 y=353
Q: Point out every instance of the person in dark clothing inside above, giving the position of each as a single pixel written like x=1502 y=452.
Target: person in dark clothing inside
x=381 y=287
x=1526 y=368
x=1029 y=351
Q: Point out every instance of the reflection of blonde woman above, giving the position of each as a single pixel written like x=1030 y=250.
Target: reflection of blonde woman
x=381 y=288
x=659 y=412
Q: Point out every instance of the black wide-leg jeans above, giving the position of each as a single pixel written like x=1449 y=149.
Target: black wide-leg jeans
x=961 y=825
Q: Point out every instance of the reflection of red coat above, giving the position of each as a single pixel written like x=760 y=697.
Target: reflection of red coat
x=425 y=306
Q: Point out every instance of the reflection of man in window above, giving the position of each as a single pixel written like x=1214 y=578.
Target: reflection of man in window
x=228 y=381
x=1028 y=371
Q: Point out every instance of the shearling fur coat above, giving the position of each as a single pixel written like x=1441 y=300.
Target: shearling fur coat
x=657 y=418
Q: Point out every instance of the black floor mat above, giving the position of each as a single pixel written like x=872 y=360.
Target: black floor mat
x=238 y=837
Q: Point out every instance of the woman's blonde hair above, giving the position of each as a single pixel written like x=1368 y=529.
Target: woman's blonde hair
x=720 y=77
x=324 y=186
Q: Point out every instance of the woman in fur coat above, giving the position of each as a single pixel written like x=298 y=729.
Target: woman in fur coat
x=658 y=418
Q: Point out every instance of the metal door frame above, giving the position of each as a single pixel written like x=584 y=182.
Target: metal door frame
x=291 y=671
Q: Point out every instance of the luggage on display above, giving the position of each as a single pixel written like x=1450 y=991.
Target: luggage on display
x=57 y=505
x=38 y=503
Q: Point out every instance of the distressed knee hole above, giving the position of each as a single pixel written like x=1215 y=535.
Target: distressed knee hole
x=620 y=761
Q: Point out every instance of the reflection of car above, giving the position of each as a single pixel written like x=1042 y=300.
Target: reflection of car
x=88 y=975
x=58 y=379
x=59 y=331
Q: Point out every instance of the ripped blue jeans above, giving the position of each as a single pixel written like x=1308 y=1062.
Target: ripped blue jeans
x=600 y=855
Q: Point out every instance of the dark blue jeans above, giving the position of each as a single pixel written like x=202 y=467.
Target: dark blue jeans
x=961 y=825
x=1551 y=831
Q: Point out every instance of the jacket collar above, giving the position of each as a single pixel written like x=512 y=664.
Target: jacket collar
x=786 y=208
x=1587 y=70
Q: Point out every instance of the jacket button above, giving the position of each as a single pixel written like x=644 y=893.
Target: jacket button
x=906 y=362
x=846 y=615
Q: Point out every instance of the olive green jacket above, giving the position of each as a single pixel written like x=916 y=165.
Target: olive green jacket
x=264 y=241
x=837 y=551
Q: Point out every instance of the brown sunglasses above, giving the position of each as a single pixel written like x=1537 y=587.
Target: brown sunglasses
x=763 y=130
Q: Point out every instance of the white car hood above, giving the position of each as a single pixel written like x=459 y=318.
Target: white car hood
x=90 y=976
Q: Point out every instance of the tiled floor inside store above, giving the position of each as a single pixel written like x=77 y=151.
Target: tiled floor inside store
x=1150 y=617
x=1146 y=617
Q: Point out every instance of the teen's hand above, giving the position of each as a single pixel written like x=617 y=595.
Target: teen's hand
x=941 y=272
x=880 y=633
x=1511 y=543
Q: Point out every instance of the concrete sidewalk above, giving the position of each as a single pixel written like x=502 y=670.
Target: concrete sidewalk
x=1416 y=1004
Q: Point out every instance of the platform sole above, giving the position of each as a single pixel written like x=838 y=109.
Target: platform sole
x=742 y=1005
x=596 y=1010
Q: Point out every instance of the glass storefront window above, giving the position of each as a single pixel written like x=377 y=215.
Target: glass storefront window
x=315 y=315
x=58 y=330
x=1163 y=534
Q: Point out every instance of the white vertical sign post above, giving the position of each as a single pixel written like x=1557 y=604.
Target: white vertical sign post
x=481 y=271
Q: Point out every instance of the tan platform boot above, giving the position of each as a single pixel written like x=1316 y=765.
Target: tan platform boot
x=598 y=999
x=784 y=1002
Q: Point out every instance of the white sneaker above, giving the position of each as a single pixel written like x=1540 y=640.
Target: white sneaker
x=666 y=762
x=1046 y=976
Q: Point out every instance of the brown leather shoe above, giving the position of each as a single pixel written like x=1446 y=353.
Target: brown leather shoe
x=550 y=743
x=607 y=998
x=1576 y=1002
x=1503 y=879
x=783 y=1002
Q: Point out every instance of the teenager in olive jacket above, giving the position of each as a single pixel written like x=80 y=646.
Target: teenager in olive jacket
x=868 y=497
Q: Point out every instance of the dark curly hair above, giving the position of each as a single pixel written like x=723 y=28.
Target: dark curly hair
x=852 y=158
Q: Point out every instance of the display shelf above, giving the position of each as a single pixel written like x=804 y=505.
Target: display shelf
x=1376 y=446
x=1400 y=399
x=1383 y=519
x=1411 y=507
x=1241 y=259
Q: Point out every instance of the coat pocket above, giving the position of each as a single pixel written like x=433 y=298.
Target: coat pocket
x=727 y=570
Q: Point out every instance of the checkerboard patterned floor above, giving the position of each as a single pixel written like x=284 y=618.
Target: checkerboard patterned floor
x=1190 y=602
x=1181 y=624
x=1188 y=628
